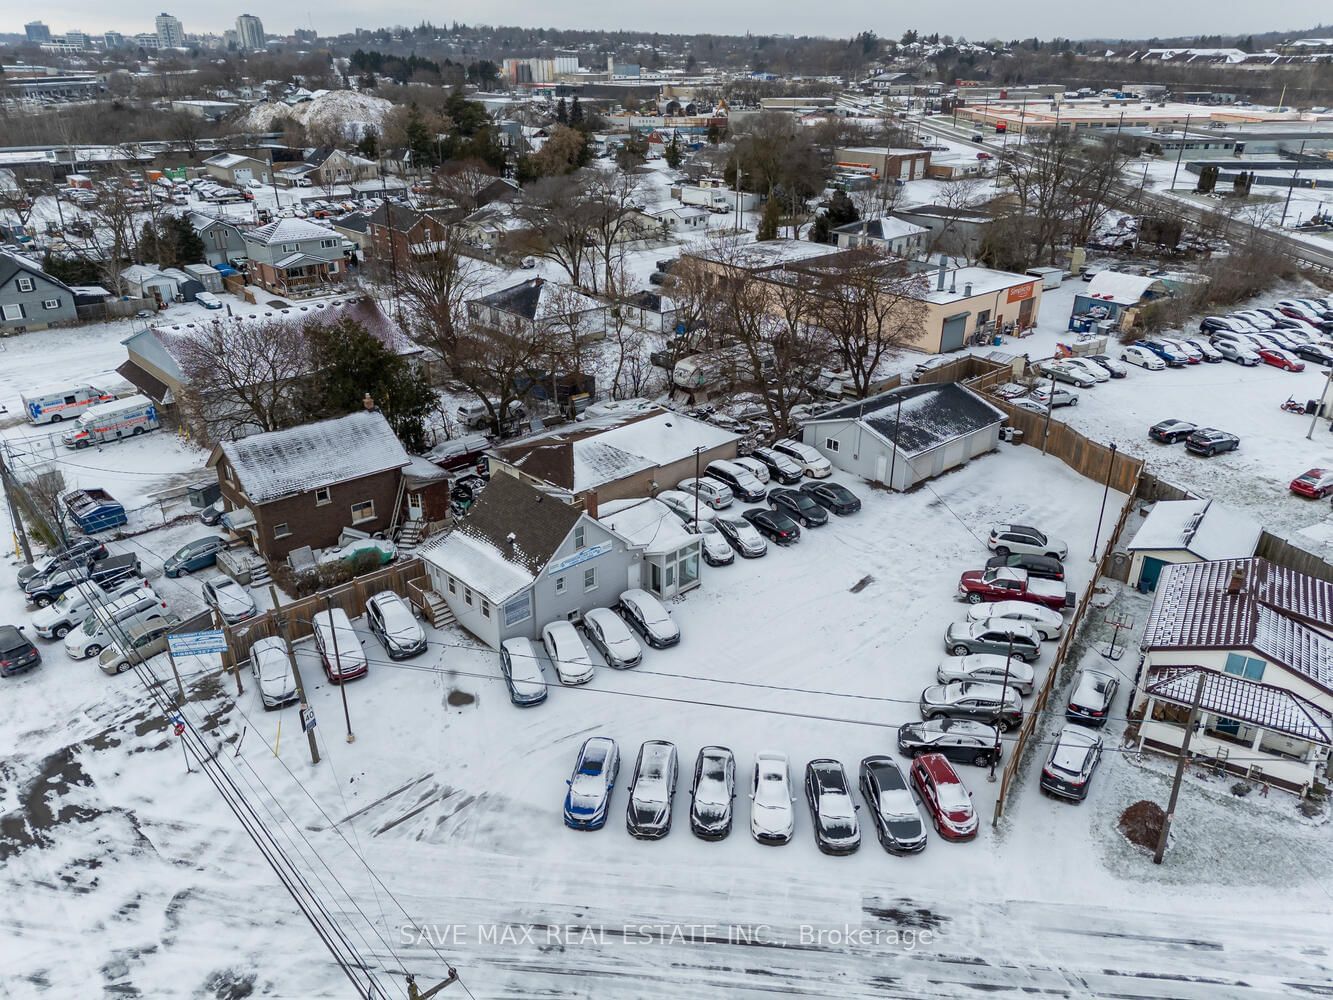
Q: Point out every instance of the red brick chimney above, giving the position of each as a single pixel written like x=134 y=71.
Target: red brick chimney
x=1237 y=581
x=590 y=504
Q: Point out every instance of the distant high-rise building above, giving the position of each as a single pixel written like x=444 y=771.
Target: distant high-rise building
x=170 y=33
x=37 y=32
x=306 y=36
x=250 y=32
x=78 y=39
x=113 y=40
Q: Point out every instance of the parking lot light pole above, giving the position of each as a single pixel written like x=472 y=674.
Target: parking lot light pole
x=697 y=452
x=1004 y=690
x=338 y=666
x=1314 y=417
x=1050 y=406
x=1106 y=490
x=280 y=622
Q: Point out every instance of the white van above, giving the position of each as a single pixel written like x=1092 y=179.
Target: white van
x=112 y=421
x=56 y=403
x=72 y=608
x=109 y=622
x=474 y=414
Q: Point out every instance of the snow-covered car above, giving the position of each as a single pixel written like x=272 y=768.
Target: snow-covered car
x=70 y=609
x=812 y=463
x=138 y=642
x=1090 y=701
x=521 y=667
x=963 y=741
x=1007 y=537
x=1072 y=761
x=686 y=505
x=391 y=621
x=1192 y=354
x=609 y=634
x=711 y=492
x=112 y=622
x=988 y=703
x=272 y=670
x=832 y=809
x=592 y=783
x=756 y=468
x=1090 y=368
x=231 y=600
x=1278 y=357
x=1054 y=398
x=945 y=797
x=567 y=653
x=772 y=818
x=1233 y=350
x=743 y=536
x=1108 y=364
x=892 y=808
x=649 y=617
x=651 y=790
x=717 y=550
x=990 y=668
x=339 y=646
x=1011 y=390
x=1314 y=483
x=1142 y=358
x=1173 y=357
x=782 y=467
x=1048 y=624
x=712 y=792
x=1031 y=405
x=1061 y=370
x=1210 y=353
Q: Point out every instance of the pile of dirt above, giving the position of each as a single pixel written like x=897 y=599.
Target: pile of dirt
x=1141 y=824
x=347 y=111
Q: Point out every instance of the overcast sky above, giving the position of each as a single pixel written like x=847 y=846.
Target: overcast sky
x=973 y=19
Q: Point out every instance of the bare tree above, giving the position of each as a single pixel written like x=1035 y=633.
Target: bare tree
x=240 y=376
x=561 y=226
x=436 y=287
x=461 y=183
x=611 y=196
x=494 y=362
x=958 y=199
x=115 y=239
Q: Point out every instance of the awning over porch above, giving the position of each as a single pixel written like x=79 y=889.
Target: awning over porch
x=1250 y=702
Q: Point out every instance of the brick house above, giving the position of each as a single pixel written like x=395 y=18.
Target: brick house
x=304 y=485
x=405 y=233
x=294 y=257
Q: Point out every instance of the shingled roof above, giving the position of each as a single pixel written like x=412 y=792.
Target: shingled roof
x=300 y=459
x=1279 y=613
x=538 y=523
x=930 y=415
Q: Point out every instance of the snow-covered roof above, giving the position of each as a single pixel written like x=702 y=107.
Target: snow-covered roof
x=603 y=450
x=228 y=160
x=930 y=415
x=646 y=524
x=1200 y=527
x=884 y=228
x=962 y=282
x=1234 y=697
x=539 y=299
x=300 y=459
x=769 y=253
x=139 y=273
x=1123 y=289
x=289 y=231
x=479 y=564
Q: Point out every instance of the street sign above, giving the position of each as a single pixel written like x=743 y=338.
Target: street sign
x=195 y=643
x=307 y=719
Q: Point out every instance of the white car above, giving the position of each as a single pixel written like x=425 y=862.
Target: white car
x=756 y=468
x=1053 y=397
x=1089 y=368
x=1241 y=352
x=567 y=653
x=649 y=617
x=717 y=551
x=988 y=668
x=208 y=300
x=772 y=818
x=1031 y=405
x=1143 y=358
x=812 y=463
x=686 y=505
x=70 y=609
x=711 y=492
x=1049 y=624
x=608 y=632
x=272 y=671
x=1024 y=539
x=232 y=601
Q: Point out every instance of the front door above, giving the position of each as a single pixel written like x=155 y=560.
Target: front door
x=416 y=507
x=1152 y=569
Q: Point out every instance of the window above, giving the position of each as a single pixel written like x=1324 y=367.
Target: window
x=327 y=244
x=26 y=284
x=333 y=267
x=363 y=511
x=281 y=530
x=485 y=608
x=453 y=586
x=590 y=578
x=1245 y=666
x=322 y=496
x=467 y=596
x=689 y=570
x=831 y=444
x=518 y=610
x=11 y=312
x=50 y=303
x=559 y=584
x=290 y=247
x=579 y=537
x=227 y=471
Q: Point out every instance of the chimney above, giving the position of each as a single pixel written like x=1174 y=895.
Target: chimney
x=940 y=286
x=590 y=504
x=1236 y=582
x=967 y=290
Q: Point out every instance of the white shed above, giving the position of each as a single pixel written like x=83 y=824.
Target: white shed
x=1188 y=531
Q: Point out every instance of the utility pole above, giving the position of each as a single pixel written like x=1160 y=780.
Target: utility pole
x=14 y=514
x=1184 y=137
x=338 y=667
x=697 y=452
x=414 y=992
x=1180 y=770
x=280 y=620
x=1314 y=417
x=1050 y=406
x=1096 y=538
x=1004 y=692
x=1294 y=174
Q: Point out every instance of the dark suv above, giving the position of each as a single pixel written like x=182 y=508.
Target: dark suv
x=799 y=506
x=1209 y=441
x=17 y=654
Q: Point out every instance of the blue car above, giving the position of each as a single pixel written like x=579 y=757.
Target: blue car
x=589 y=797
x=1173 y=358
x=198 y=554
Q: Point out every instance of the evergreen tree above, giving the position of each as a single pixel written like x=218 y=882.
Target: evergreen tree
x=369 y=146
x=673 y=153
x=770 y=220
x=561 y=112
x=576 y=117
x=841 y=211
x=714 y=135
x=820 y=231
x=189 y=247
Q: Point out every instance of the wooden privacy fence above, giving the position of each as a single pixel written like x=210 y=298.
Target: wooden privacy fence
x=1280 y=551
x=1082 y=454
x=351 y=597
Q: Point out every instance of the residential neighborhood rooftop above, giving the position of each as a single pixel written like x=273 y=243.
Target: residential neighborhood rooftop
x=919 y=417
x=1201 y=527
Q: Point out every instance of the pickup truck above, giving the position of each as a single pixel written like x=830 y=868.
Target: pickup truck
x=93 y=510
x=1005 y=583
x=45 y=588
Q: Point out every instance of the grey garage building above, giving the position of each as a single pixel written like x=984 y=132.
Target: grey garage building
x=905 y=436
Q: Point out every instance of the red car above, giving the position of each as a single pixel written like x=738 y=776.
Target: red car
x=1279 y=358
x=945 y=797
x=1008 y=583
x=984 y=156
x=1316 y=484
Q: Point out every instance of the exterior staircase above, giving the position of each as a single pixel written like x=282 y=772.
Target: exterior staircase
x=409 y=535
x=437 y=612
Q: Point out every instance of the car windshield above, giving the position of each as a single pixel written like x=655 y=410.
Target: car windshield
x=592 y=763
x=91 y=625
